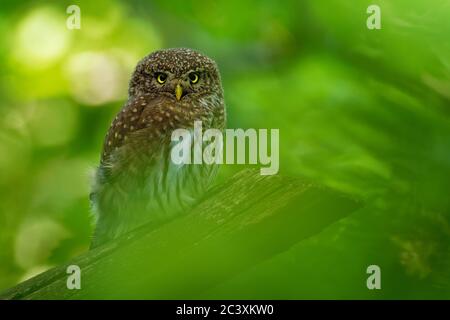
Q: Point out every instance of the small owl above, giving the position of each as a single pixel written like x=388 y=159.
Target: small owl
x=136 y=181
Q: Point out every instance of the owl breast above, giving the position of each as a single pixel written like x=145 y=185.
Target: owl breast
x=137 y=181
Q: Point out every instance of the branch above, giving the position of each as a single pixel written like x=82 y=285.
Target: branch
x=241 y=223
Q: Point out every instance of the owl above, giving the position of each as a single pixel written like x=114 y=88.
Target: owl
x=136 y=181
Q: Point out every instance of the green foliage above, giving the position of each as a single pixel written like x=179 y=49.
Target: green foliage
x=362 y=111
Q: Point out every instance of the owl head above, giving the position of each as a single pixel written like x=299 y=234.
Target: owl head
x=178 y=73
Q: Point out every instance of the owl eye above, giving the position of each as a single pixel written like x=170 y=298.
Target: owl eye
x=193 y=76
x=161 y=77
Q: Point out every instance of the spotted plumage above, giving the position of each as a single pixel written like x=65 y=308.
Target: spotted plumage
x=136 y=181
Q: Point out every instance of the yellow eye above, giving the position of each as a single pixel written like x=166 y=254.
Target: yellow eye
x=193 y=76
x=161 y=78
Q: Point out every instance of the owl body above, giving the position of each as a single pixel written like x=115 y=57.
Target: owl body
x=136 y=181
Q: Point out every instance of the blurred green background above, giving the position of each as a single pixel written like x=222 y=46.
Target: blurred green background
x=363 y=111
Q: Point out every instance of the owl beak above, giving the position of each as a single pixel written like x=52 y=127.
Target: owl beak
x=178 y=92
